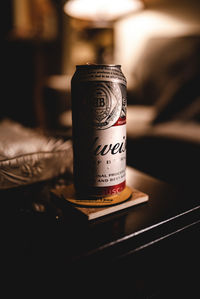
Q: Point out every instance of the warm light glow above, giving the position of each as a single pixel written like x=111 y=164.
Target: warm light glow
x=133 y=33
x=100 y=10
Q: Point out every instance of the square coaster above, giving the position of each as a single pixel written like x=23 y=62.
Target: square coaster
x=98 y=207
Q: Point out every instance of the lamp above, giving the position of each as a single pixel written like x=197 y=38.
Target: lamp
x=101 y=10
x=93 y=25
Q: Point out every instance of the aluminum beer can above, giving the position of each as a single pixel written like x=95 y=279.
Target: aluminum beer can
x=99 y=101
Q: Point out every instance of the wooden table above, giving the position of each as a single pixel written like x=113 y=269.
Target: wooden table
x=150 y=250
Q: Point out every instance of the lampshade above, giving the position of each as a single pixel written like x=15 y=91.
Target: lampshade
x=101 y=10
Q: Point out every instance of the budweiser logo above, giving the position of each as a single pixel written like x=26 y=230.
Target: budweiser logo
x=104 y=149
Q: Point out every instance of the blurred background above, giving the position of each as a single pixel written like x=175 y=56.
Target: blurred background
x=157 y=42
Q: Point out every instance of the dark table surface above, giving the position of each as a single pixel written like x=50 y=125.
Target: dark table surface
x=157 y=241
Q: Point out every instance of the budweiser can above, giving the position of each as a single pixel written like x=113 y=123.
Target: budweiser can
x=99 y=130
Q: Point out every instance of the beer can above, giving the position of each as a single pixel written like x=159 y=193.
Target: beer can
x=99 y=101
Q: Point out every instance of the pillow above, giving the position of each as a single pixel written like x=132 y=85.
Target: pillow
x=27 y=156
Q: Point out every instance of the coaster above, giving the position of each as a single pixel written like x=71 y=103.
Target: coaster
x=98 y=207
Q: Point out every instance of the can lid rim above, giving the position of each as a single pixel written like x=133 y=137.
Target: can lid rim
x=93 y=65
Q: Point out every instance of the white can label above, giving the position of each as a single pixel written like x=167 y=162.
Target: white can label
x=109 y=154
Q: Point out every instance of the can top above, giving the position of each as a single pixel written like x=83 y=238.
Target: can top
x=99 y=72
x=93 y=65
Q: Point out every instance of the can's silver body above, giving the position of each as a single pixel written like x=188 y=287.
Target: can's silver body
x=99 y=129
